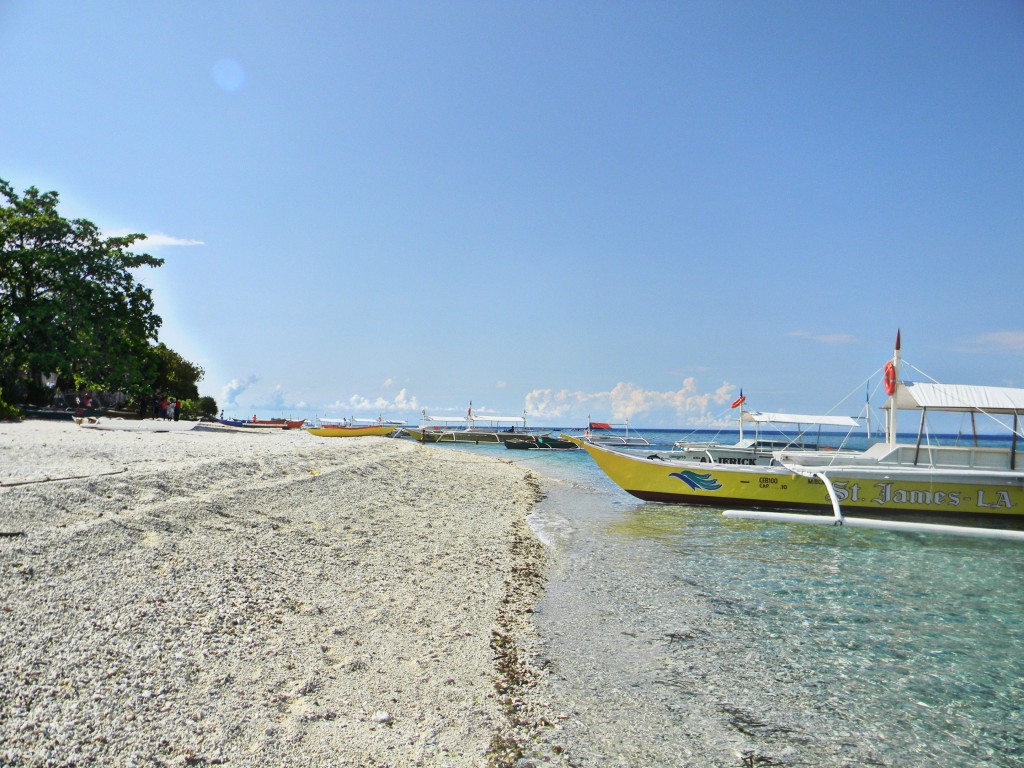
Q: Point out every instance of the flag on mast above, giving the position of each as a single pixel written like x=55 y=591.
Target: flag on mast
x=739 y=400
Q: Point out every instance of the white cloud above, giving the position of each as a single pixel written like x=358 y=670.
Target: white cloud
x=275 y=401
x=389 y=382
x=827 y=338
x=628 y=401
x=230 y=391
x=1012 y=341
x=158 y=238
x=357 y=403
x=153 y=240
x=501 y=384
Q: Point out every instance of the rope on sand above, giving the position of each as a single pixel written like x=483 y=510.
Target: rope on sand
x=4 y=484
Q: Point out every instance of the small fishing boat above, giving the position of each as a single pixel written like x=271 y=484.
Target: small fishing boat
x=600 y=433
x=542 y=443
x=276 y=423
x=59 y=414
x=354 y=428
x=137 y=425
x=475 y=429
x=767 y=440
x=965 y=489
x=263 y=423
x=352 y=431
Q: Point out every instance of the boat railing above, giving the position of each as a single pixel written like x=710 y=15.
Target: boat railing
x=938 y=456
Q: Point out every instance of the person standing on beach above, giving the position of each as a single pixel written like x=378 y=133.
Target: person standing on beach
x=170 y=411
x=177 y=409
x=163 y=407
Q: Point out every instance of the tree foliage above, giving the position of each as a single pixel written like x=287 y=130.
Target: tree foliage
x=194 y=409
x=71 y=306
x=175 y=375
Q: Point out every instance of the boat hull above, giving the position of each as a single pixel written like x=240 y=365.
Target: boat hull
x=922 y=494
x=264 y=424
x=474 y=437
x=543 y=444
x=619 y=441
x=139 y=425
x=368 y=431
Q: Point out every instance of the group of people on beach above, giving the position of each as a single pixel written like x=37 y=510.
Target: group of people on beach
x=170 y=409
x=163 y=408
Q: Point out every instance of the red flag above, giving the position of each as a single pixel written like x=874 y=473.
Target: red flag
x=739 y=400
x=599 y=425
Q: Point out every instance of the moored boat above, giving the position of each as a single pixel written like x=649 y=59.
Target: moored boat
x=59 y=414
x=543 y=443
x=922 y=486
x=137 y=425
x=354 y=428
x=761 y=449
x=352 y=431
x=263 y=423
x=603 y=433
x=475 y=429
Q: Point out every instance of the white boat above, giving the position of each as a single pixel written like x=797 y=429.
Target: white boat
x=768 y=438
x=137 y=425
x=597 y=432
x=964 y=489
x=472 y=428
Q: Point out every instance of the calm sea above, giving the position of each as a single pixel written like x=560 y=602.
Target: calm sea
x=677 y=637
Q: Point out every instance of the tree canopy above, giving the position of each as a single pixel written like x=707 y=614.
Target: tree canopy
x=70 y=305
x=175 y=374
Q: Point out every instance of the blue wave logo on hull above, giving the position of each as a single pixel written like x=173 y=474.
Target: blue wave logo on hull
x=697 y=481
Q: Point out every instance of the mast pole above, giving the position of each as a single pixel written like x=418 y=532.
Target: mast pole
x=892 y=398
x=867 y=410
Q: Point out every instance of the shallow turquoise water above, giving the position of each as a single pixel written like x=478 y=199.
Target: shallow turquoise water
x=677 y=637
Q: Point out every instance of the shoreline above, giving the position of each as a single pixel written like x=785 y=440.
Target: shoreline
x=226 y=598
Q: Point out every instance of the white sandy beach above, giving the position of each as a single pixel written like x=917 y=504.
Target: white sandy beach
x=262 y=598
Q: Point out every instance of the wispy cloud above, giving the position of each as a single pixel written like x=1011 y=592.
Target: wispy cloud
x=229 y=392
x=628 y=401
x=358 y=403
x=153 y=239
x=1001 y=341
x=158 y=239
x=826 y=338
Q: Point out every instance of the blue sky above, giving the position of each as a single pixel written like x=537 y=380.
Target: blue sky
x=614 y=209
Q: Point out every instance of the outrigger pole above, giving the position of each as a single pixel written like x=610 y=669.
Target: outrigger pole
x=885 y=525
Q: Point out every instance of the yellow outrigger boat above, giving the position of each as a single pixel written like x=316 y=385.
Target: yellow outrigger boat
x=958 y=488
x=378 y=427
x=352 y=431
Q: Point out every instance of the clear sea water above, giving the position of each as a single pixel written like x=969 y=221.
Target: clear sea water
x=676 y=637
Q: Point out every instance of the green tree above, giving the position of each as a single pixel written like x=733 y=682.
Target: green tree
x=175 y=375
x=69 y=303
x=204 y=406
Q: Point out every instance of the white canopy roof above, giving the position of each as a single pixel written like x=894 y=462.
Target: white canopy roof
x=760 y=417
x=912 y=395
x=503 y=419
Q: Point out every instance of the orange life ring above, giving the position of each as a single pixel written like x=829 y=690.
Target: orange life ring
x=889 y=379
